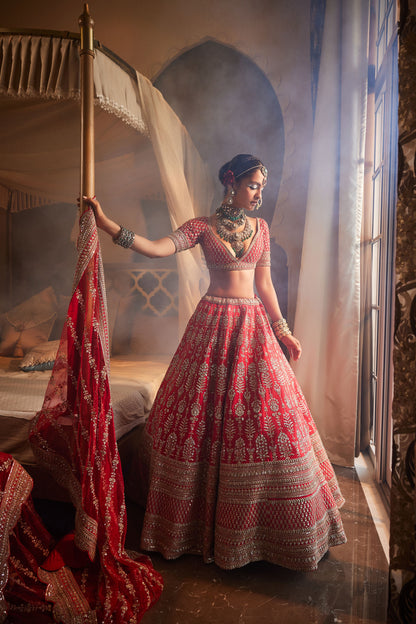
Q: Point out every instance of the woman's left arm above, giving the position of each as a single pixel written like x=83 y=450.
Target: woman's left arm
x=267 y=294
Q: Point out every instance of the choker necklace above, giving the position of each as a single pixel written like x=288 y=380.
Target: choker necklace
x=228 y=220
x=226 y=212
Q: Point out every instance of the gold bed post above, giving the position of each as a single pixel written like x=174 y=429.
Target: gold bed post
x=87 y=105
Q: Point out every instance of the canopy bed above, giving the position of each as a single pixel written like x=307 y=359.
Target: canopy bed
x=133 y=149
x=142 y=152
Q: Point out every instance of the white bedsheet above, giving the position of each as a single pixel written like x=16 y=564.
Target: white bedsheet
x=133 y=384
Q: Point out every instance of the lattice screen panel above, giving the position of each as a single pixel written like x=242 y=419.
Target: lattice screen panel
x=155 y=290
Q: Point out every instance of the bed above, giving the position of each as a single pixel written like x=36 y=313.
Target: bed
x=142 y=307
x=142 y=304
x=134 y=382
x=137 y=365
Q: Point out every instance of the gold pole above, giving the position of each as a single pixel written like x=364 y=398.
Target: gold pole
x=87 y=104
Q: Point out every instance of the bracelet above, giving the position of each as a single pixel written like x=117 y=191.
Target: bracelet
x=281 y=328
x=124 y=238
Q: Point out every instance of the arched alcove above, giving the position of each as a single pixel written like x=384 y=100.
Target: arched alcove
x=228 y=106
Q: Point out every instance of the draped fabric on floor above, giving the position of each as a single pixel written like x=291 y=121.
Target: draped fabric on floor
x=73 y=436
x=28 y=557
x=24 y=544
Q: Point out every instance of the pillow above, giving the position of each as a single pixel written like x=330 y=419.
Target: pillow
x=41 y=357
x=61 y=314
x=28 y=324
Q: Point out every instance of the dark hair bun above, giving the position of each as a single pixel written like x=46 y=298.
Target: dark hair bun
x=239 y=166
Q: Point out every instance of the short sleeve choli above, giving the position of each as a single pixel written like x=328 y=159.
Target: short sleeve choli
x=217 y=255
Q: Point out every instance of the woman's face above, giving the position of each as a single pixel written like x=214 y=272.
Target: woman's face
x=248 y=191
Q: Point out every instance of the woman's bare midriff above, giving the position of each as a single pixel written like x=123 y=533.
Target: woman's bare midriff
x=235 y=284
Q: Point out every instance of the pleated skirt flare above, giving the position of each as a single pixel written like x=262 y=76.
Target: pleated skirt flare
x=238 y=472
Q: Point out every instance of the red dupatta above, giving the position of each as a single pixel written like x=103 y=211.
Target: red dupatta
x=73 y=436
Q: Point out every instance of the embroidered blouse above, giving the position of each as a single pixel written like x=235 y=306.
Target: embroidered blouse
x=217 y=255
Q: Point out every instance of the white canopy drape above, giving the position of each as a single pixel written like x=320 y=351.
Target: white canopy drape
x=141 y=145
x=328 y=305
x=185 y=183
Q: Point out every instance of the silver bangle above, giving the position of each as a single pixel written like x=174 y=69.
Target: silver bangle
x=124 y=238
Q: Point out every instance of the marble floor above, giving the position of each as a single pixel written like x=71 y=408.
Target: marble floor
x=350 y=585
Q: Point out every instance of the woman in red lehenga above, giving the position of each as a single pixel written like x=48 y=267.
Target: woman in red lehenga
x=238 y=472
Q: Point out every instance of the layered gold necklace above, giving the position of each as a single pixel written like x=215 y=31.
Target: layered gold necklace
x=228 y=220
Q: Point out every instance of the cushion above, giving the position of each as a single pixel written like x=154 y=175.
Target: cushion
x=28 y=324
x=61 y=314
x=41 y=357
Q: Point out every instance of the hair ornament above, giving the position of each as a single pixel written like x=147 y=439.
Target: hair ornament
x=228 y=178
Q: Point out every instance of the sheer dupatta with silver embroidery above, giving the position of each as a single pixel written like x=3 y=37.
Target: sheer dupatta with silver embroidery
x=73 y=436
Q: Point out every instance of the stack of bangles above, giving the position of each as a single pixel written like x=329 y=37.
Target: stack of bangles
x=281 y=328
x=124 y=238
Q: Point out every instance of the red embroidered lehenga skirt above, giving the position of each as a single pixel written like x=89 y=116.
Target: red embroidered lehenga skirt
x=238 y=472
